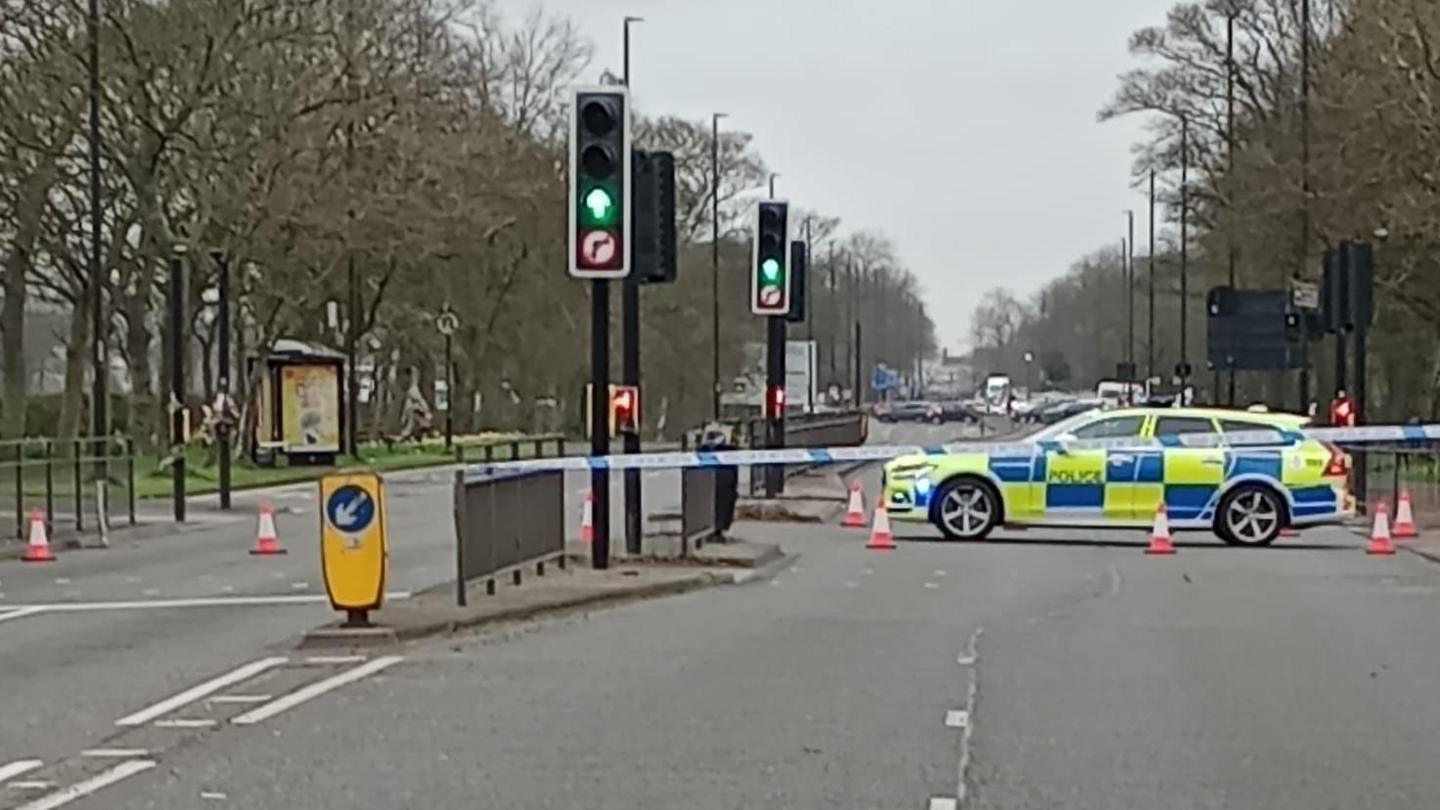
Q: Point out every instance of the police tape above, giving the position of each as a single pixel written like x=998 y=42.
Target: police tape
x=1259 y=440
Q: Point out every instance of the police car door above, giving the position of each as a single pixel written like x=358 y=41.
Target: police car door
x=1191 y=477
x=1091 y=485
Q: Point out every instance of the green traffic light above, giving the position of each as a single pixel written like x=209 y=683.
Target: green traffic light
x=771 y=269
x=600 y=206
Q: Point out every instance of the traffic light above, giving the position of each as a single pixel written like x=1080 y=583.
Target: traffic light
x=775 y=401
x=600 y=183
x=799 y=270
x=653 y=212
x=624 y=409
x=770 y=276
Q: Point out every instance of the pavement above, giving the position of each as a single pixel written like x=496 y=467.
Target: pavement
x=1037 y=669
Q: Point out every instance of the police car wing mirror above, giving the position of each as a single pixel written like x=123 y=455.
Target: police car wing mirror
x=1063 y=441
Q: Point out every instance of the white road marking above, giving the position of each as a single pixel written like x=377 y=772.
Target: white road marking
x=31 y=784
x=198 y=691
x=239 y=699
x=939 y=572
x=20 y=613
x=323 y=660
x=62 y=580
x=182 y=722
x=932 y=584
x=203 y=601
x=852 y=584
x=974 y=653
x=299 y=586
x=965 y=660
x=84 y=788
x=315 y=690
x=151 y=592
x=114 y=753
x=943 y=803
x=957 y=718
x=11 y=770
x=212 y=794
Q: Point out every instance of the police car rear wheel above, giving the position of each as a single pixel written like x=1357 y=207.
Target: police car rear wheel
x=966 y=510
x=1250 y=516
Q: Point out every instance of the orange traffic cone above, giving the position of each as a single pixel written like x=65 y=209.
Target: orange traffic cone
x=1160 y=533
x=855 y=511
x=265 y=540
x=880 y=538
x=1404 y=518
x=38 y=549
x=587 y=519
x=1380 y=533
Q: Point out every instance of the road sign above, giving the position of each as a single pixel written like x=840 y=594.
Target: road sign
x=884 y=378
x=447 y=323
x=598 y=247
x=353 y=546
x=1304 y=294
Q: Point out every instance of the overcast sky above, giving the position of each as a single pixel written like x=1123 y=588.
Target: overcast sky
x=973 y=145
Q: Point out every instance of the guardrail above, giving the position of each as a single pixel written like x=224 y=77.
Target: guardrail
x=489 y=450
x=506 y=521
x=60 y=472
x=1385 y=472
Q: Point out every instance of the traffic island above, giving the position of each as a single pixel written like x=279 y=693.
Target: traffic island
x=434 y=612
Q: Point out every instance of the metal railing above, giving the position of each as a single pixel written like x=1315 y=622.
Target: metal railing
x=508 y=449
x=1381 y=473
x=505 y=522
x=58 y=475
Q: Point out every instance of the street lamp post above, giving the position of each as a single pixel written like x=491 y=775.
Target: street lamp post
x=1184 y=248
x=1130 y=293
x=222 y=394
x=630 y=358
x=773 y=175
x=99 y=406
x=715 y=262
x=1150 y=289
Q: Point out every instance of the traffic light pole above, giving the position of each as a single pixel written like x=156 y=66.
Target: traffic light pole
x=774 y=407
x=176 y=295
x=599 y=420
x=630 y=375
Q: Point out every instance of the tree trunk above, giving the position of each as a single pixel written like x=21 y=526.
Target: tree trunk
x=77 y=359
x=29 y=209
x=137 y=347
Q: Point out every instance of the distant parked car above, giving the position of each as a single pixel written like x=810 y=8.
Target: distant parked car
x=1065 y=410
x=954 y=411
x=915 y=411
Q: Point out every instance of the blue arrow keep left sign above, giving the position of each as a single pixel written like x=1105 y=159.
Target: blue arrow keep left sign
x=350 y=509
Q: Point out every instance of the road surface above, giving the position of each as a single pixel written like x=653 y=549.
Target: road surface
x=1038 y=669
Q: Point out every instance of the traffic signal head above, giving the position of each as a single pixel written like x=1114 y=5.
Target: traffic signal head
x=770 y=275
x=600 y=183
x=624 y=409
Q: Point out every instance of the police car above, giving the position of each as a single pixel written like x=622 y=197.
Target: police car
x=1246 y=489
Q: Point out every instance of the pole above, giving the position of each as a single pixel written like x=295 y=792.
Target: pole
x=773 y=175
x=449 y=394
x=630 y=363
x=352 y=380
x=100 y=402
x=600 y=419
x=1130 y=292
x=859 y=391
x=177 y=384
x=1305 y=197
x=715 y=264
x=1229 y=167
x=1361 y=461
x=1150 y=291
x=222 y=415
x=834 y=314
x=1184 y=249
x=774 y=416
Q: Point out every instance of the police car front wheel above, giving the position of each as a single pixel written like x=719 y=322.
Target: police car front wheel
x=1250 y=516
x=966 y=509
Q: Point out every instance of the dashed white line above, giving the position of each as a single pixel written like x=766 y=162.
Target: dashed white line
x=213 y=795
x=957 y=718
x=201 y=690
x=62 y=580
x=940 y=572
x=185 y=722
x=299 y=586
x=85 y=787
x=11 y=770
x=932 y=584
x=240 y=699
x=31 y=784
x=939 y=803
x=114 y=753
x=315 y=690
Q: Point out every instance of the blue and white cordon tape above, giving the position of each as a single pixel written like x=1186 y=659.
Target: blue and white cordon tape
x=1370 y=434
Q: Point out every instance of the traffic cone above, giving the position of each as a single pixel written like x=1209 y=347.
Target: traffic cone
x=265 y=540
x=38 y=549
x=587 y=519
x=880 y=538
x=1404 y=518
x=1380 y=534
x=855 y=511
x=1160 y=533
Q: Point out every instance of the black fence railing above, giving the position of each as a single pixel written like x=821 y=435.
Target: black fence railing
x=509 y=449
x=63 y=479
x=506 y=522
